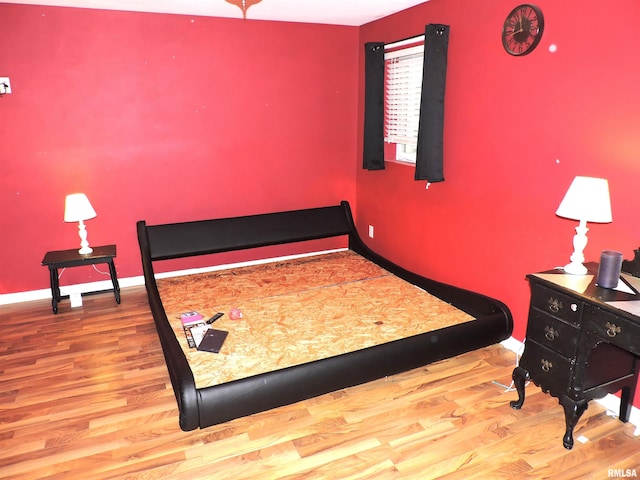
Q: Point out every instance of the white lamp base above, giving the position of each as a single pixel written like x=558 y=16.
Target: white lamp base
x=577 y=257
x=575 y=268
x=85 y=249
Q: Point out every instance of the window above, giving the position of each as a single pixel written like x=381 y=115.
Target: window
x=403 y=86
x=393 y=106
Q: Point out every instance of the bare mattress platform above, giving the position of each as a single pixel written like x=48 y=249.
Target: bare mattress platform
x=310 y=325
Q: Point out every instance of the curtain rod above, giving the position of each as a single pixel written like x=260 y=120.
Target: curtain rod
x=406 y=41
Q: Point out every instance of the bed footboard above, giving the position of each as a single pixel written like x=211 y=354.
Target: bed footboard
x=282 y=387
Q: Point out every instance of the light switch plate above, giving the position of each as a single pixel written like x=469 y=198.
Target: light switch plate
x=5 y=85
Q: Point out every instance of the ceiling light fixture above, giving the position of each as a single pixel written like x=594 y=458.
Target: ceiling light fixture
x=243 y=5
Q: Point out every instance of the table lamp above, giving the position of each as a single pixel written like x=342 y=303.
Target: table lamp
x=77 y=208
x=587 y=200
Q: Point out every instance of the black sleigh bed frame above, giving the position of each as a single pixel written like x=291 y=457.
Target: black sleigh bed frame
x=202 y=407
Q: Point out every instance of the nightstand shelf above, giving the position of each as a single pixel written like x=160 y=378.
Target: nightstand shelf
x=582 y=343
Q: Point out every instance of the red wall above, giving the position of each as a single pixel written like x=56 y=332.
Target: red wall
x=164 y=118
x=170 y=118
x=517 y=131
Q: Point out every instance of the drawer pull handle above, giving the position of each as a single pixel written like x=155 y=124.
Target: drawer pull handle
x=550 y=334
x=574 y=307
x=555 y=305
x=612 y=329
x=546 y=365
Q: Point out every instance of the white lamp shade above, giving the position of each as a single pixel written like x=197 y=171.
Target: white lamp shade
x=77 y=207
x=587 y=200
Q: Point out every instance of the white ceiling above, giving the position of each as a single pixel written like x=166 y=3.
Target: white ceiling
x=336 y=12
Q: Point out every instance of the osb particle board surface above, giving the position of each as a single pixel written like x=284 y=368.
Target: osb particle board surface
x=299 y=311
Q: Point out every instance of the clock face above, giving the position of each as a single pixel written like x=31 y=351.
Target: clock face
x=522 y=29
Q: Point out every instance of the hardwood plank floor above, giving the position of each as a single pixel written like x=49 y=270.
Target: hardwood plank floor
x=85 y=394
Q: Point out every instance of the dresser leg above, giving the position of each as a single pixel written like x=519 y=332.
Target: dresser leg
x=628 y=393
x=572 y=412
x=626 y=402
x=520 y=378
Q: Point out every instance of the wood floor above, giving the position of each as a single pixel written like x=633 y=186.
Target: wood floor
x=85 y=395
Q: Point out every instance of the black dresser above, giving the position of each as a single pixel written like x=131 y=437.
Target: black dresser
x=582 y=343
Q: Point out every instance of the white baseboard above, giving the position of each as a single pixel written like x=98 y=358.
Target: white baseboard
x=610 y=402
x=80 y=288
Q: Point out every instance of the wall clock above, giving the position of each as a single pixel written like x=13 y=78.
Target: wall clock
x=522 y=29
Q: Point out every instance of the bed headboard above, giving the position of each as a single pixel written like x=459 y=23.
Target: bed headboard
x=186 y=239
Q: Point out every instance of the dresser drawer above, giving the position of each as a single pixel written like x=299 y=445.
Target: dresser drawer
x=616 y=330
x=557 y=304
x=553 y=333
x=548 y=369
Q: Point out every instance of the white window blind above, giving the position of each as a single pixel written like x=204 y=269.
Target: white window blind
x=403 y=85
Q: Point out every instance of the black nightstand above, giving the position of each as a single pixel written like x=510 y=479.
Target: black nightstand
x=582 y=342
x=71 y=258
